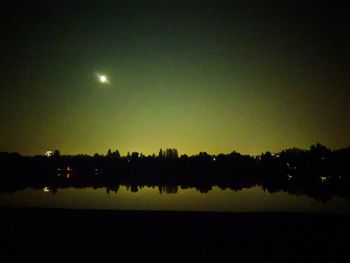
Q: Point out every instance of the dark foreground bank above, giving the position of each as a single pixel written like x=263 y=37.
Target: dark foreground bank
x=57 y=235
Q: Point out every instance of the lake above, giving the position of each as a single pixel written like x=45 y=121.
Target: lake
x=253 y=199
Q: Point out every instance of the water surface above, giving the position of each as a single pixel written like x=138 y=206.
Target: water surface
x=253 y=199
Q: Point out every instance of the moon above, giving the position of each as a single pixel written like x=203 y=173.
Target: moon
x=102 y=79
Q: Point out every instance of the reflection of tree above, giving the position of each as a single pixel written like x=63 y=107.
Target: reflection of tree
x=318 y=172
x=170 y=189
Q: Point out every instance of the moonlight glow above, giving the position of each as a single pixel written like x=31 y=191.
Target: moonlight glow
x=102 y=79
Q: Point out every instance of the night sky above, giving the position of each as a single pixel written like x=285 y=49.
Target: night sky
x=212 y=76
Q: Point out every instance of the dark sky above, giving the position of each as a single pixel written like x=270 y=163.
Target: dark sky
x=212 y=76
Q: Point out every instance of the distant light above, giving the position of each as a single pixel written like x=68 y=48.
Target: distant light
x=323 y=178
x=46 y=189
x=291 y=166
x=48 y=153
x=214 y=159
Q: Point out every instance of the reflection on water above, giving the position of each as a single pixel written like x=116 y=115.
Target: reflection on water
x=253 y=199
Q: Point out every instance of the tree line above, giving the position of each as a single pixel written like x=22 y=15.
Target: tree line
x=317 y=172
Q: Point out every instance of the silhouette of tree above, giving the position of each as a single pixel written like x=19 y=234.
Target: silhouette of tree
x=134 y=155
x=318 y=172
x=168 y=153
x=184 y=156
x=319 y=150
x=117 y=154
x=113 y=155
x=56 y=154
